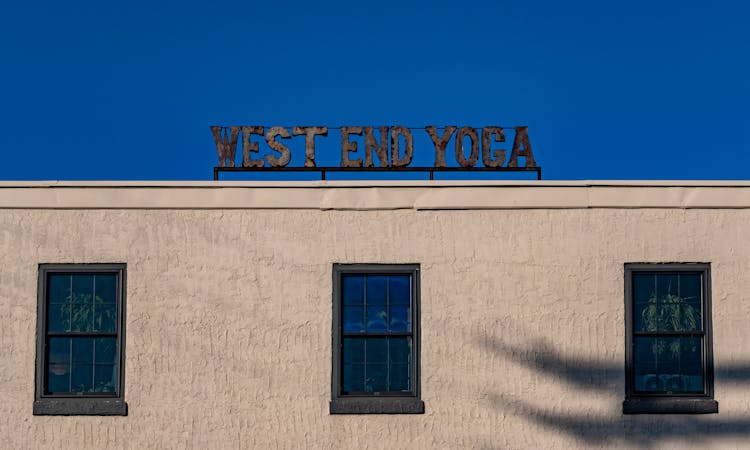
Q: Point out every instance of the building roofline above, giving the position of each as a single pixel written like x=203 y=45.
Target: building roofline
x=369 y=183
x=374 y=195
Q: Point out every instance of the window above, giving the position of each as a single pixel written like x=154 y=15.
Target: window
x=375 y=339
x=80 y=339
x=668 y=358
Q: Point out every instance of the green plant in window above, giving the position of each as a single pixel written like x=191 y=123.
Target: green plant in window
x=80 y=313
x=669 y=313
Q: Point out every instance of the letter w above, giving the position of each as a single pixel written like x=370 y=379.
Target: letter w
x=226 y=145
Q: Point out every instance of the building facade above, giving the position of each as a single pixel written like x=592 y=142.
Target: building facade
x=532 y=314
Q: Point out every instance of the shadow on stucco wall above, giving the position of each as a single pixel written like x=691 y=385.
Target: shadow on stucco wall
x=604 y=377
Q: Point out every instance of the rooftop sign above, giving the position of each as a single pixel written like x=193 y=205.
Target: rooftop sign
x=383 y=148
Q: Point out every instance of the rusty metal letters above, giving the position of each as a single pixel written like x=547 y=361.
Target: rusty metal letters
x=310 y=133
x=226 y=145
x=381 y=149
x=392 y=146
x=440 y=142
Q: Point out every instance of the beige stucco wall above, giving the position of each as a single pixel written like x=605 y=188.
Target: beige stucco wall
x=229 y=309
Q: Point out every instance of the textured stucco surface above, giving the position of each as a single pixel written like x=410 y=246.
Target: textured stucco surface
x=229 y=324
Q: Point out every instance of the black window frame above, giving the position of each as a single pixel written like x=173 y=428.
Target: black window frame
x=83 y=404
x=669 y=403
x=375 y=403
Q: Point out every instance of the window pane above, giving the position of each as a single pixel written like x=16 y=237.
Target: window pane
x=58 y=378
x=58 y=306
x=353 y=289
x=354 y=350
x=377 y=286
x=82 y=379
x=105 y=317
x=59 y=288
x=376 y=350
x=400 y=377
x=644 y=287
x=353 y=319
x=400 y=320
x=83 y=288
x=105 y=377
x=376 y=378
x=399 y=350
x=58 y=317
x=106 y=288
x=376 y=318
x=400 y=289
x=83 y=350
x=59 y=349
x=691 y=292
x=354 y=378
x=106 y=350
x=58 y=367
x=644 y=301
x=690 y=285
x=82 y=309
x=670 y=310
x=82 y=318
x=692 y=363
x=666 y=284
x=668 y=365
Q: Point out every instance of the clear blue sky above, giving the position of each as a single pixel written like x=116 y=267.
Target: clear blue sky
x=610 y=90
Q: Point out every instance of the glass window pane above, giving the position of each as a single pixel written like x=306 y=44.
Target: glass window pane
x=376 y=379
x=58 y=288
x=400 y=319
x=691 y=292
x=106 y=288
x=105 y=377
x=353 y=289
x=690 y=286
x=644 y=301
x=668 y=365
x=376 y=318
x=82 y=379
x=353 y=378
x=106 y=350
x=354 y=319
x=377 y=286
x=58 y=317
x=644 y=287
x=83 y=288
x=59 y=350
x=376 y=350
x=400 y=377
x=82 y=318
x=58 y=378
x=59 y=365
x=105 y=317
x=400 y=289
x=646 y=354
x=354 y=350
x=83 y=350
x=399 y=350
x=685 y=316
x=666 y=284
x=669 y=311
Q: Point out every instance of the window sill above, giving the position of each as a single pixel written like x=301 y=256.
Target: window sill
x=667 y=405
x=80 y=407
x=392 y=405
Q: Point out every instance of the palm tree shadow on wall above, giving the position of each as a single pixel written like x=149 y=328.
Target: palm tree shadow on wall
x=645 y=431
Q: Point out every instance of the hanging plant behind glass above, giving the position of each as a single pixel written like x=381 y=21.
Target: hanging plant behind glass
x=669 y=313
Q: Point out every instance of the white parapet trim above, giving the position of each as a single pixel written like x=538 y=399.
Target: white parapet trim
x=374 y=195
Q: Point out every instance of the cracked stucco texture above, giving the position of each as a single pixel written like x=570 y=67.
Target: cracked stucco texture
x=229 y=325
